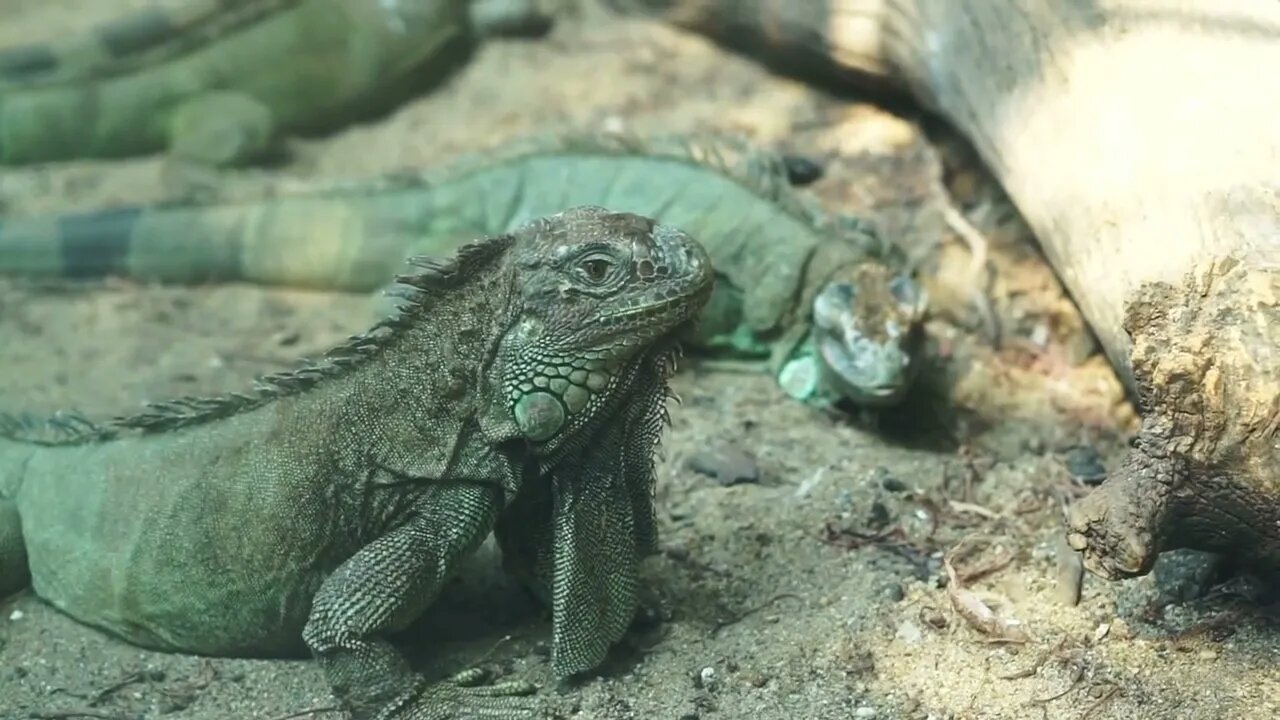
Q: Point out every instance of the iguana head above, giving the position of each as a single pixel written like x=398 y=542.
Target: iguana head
x=867 y=333
x=595 y=290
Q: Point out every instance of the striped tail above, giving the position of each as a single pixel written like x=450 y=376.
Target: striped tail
x=128 y=43
x=327 y=243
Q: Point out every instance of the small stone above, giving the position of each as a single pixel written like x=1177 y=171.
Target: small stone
x=933 y=617
x=706 y=677
x=909 y=632
x=16 y=615
x=864 y=712
x=878 y=516
x=729 y=465
x=802 y=170
x=756 y=679
x=1207 y=654
x=894 y=592
x=892 y=484
x=1085 y=464
x=1183 y=575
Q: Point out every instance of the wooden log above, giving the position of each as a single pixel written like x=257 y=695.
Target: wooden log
x=1140 y=139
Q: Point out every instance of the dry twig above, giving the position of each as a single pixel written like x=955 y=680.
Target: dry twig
x=976 y=612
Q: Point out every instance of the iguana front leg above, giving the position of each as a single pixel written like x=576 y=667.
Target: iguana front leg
x=384 y=587
x=14 y=574
x=221 y=129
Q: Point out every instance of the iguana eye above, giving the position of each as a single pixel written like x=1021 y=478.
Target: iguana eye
x=596 y=269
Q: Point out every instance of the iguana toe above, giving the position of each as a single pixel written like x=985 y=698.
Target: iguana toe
x=448 y=701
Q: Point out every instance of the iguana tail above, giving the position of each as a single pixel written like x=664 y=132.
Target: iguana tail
x=354 y=236
x=321 y=242
x=125 y=44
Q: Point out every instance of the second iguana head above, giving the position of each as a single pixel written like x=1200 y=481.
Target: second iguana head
x=867 y=333
x=863 y=340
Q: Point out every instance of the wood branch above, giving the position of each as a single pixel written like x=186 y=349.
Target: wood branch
x=1141 y=141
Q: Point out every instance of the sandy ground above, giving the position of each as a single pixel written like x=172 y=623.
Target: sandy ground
x=816 y=591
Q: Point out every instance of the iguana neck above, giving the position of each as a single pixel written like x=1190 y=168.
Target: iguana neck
x=426 y=397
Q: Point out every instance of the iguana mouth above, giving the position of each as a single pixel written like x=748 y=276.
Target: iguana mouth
x=674 y=309
x=862 y=370
x=675 y=296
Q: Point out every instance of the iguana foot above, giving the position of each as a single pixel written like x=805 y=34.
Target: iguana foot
x=466 y=695
x=221 y=129
x=479 y=680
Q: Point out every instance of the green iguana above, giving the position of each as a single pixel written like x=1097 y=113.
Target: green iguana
x=784 y=267
x=217 y=81
x=521 y=388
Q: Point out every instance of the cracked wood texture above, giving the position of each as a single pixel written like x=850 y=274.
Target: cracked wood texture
x=1141 y=141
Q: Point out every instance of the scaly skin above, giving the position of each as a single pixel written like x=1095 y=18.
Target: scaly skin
x=219 y=81
x=524 y=382
x=784 y=267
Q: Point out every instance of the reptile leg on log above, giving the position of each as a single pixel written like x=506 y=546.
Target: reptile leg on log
x=1141 y=141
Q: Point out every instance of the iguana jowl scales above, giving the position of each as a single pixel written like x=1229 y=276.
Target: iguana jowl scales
x=521 y=389
x=218 y=81
x=785 y=268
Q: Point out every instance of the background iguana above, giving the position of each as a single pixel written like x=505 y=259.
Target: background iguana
x=523 y=382
x=784 y=266
x=217 y=81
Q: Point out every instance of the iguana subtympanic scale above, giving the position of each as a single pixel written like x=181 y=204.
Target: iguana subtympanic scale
x=785 y=267
x=218 y=81
x=524 y=380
